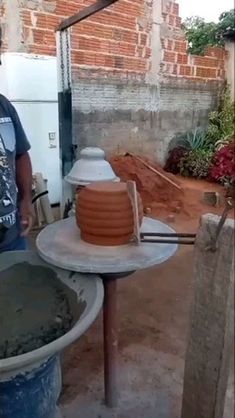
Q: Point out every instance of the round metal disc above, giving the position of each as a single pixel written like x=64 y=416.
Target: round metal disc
x=60 y=244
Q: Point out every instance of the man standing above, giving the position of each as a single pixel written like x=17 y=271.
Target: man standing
x=15 y=180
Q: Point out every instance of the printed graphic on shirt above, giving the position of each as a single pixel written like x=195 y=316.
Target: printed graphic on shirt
x=8 y=189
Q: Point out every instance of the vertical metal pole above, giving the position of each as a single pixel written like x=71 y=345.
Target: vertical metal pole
x=65 y=112
x=65 y=100
x=110 y=342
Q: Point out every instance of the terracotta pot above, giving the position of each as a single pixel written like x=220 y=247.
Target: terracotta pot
x=104 y=214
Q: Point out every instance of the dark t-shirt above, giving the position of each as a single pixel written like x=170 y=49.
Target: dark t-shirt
x=13 y=143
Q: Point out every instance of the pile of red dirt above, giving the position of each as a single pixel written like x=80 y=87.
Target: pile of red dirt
x=153 y=189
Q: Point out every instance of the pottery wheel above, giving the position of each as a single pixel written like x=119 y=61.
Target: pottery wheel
x=60 y=245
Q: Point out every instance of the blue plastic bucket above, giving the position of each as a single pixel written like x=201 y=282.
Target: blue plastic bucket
x=32 y=394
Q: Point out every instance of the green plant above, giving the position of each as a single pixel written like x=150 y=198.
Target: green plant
x=173 y=160
x=226 y=23
x=201 y=34
x=222 y=142
x=223 y=168
x=221 y=122
x=197 y=163
x=193 y=140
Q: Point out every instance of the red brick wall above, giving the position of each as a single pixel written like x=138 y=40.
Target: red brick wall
x=133 y=81
x=116 y=39
x=177 y=62
x=2 y=21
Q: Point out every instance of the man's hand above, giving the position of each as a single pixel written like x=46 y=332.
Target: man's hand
x=26 y=216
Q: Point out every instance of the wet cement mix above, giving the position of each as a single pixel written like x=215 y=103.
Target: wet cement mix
x=36 y=308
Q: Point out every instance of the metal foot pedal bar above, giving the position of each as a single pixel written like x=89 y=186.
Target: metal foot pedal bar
x=189 y=239
x=174 y=238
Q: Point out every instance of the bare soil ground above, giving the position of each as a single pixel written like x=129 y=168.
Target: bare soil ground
x=154 y=308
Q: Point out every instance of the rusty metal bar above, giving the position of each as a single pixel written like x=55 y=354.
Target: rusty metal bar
x=168 y=241
x=84 y=14
x=166 y=235
x=166 y=238
x=110 y=342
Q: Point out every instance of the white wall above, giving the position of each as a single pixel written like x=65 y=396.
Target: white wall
x=230 y=67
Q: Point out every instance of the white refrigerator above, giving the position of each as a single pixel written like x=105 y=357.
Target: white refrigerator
x=30 y=83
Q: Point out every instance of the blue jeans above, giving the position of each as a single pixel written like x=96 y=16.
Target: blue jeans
x=20 y=244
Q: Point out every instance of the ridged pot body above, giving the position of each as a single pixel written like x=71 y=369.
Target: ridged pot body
x=104 y=214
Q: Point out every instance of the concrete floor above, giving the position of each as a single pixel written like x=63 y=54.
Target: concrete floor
x=154 y=312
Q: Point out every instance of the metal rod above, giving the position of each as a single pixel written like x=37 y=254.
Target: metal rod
x=110 y=342
x=168 y=241
x=84 y=14
x=173 y=235
x=38 y=196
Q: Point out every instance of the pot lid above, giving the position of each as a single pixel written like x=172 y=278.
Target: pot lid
x=91 y=167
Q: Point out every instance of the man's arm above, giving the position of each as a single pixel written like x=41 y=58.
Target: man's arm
x=24 y=184
x=24 y=176
x=23 y=171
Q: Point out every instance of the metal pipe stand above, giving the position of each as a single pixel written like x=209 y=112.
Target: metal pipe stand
x=110 y=321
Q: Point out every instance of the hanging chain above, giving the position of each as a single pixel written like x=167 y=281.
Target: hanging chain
x=62 y=60
x=65 y=66
x=68 y=58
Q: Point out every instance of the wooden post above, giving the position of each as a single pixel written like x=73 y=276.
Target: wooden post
x=210 y=346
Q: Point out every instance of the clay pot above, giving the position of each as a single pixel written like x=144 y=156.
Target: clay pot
x=104 y=214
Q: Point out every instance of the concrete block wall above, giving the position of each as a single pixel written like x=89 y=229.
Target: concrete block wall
x=139 y=117
x=134 y=85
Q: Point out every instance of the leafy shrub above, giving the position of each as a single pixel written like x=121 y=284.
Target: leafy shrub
x=223 y=169
x=197 y=163
x=201 y=34
x=191 y=141
x=225 y=141
x=222 y=122
x=192 y=154
x=181 y=147
x=173 y=161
